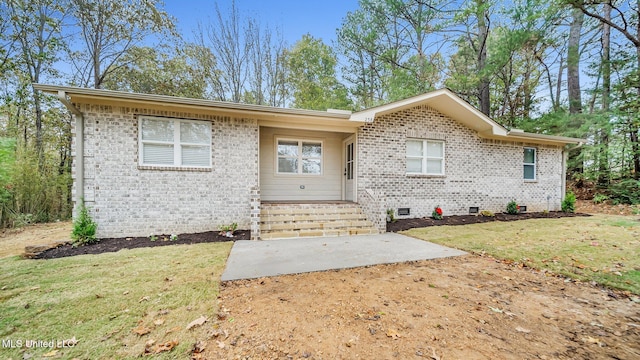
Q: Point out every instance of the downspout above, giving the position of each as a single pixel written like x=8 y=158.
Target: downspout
x=62 y=96
x=565 y=155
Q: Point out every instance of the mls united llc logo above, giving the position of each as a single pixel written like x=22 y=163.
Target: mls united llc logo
x=57 y=344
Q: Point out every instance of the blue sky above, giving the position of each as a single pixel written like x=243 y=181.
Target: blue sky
x=293 y=18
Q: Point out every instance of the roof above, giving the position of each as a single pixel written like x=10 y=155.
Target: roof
x=338 y=121
x=444 y=101
x=451 y=105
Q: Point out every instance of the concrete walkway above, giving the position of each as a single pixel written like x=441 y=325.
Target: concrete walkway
x=254 y=259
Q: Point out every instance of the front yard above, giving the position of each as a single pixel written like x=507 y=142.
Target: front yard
x=115 y=304
x=491 y=305
x=602 y=248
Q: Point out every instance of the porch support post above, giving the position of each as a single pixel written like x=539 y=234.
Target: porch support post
x=255 y=213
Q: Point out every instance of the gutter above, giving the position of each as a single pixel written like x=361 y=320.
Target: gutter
x=62 y=96
x=565 y=155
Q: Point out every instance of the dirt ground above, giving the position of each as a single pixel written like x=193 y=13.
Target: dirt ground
x=467 y=307
x=13 y=241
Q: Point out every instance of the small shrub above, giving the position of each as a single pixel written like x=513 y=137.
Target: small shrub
x=391 y=215
x=487 y=213
x=228 y=230
x=512 y=207
x=600 y=198
x=437 y=213
x=173 y=237
x=569 y=203
x=84 y=228
x=153 y=238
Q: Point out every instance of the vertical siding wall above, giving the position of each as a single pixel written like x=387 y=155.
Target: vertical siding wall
x=478 y=172
x=128 y=201
x=327 y=186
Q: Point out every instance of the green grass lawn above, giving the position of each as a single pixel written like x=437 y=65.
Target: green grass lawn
x=601 y=248
x=101 y=300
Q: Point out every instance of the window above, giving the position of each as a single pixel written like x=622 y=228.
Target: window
x=425 y=157
x=173 y=142
x=529 y=163
x=299 y=157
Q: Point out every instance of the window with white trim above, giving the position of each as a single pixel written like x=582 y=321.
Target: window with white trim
x=425 y=157
x=299 y=157
x=175 y=142
x=529 y=163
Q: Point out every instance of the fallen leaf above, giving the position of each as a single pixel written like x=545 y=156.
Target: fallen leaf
x=590 y=340
x=144 y=298
x=141 y=330
x=522 y=330
x=392 y=333
x=198 y=347
x=177 y=328
x=125 y=293
x=496 y=310
x=197 y=322
x=168 y=346
x=220 y=344
x=158 y=322
x=51 y=353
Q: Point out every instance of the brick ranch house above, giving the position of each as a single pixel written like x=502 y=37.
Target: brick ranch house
x=150 y=164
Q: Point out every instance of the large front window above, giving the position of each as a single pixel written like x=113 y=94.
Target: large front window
x=299 y=157
x=425 y=157
x=174 y=142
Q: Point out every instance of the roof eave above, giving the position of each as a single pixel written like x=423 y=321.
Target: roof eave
x=78 y=94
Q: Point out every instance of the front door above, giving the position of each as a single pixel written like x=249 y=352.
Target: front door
x=349 y=168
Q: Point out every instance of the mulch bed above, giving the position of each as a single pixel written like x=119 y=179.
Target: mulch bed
x=116 y=244
x=406 y=224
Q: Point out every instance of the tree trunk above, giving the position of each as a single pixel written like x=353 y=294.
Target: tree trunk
x=483 y=86
x=573 y=87
x=603 y=156
x=573 y=63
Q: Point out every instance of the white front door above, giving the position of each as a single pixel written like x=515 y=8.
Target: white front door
x=349 y=169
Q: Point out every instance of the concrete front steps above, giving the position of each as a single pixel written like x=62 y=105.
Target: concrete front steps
x=291 y=220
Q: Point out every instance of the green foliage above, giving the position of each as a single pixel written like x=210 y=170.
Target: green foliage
x=30 y=193
x=162 y=71
x=391 y=215
x=569 y=203
x=84 y=228
x=224 y=229
x=312 y=75
x=512 y=207
x=437 y=213
x=7 y=159
x=625 y=192
x=153 y=238
x=600 y=198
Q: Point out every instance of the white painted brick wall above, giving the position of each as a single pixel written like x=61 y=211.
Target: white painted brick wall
x=479 y=172
x=127 y=201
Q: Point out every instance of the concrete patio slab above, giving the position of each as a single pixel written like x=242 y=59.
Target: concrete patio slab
x=254 y=259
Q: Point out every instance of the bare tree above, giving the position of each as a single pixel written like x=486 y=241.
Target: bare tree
x=109 y=29
x=231 y=45
x=36 y=30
